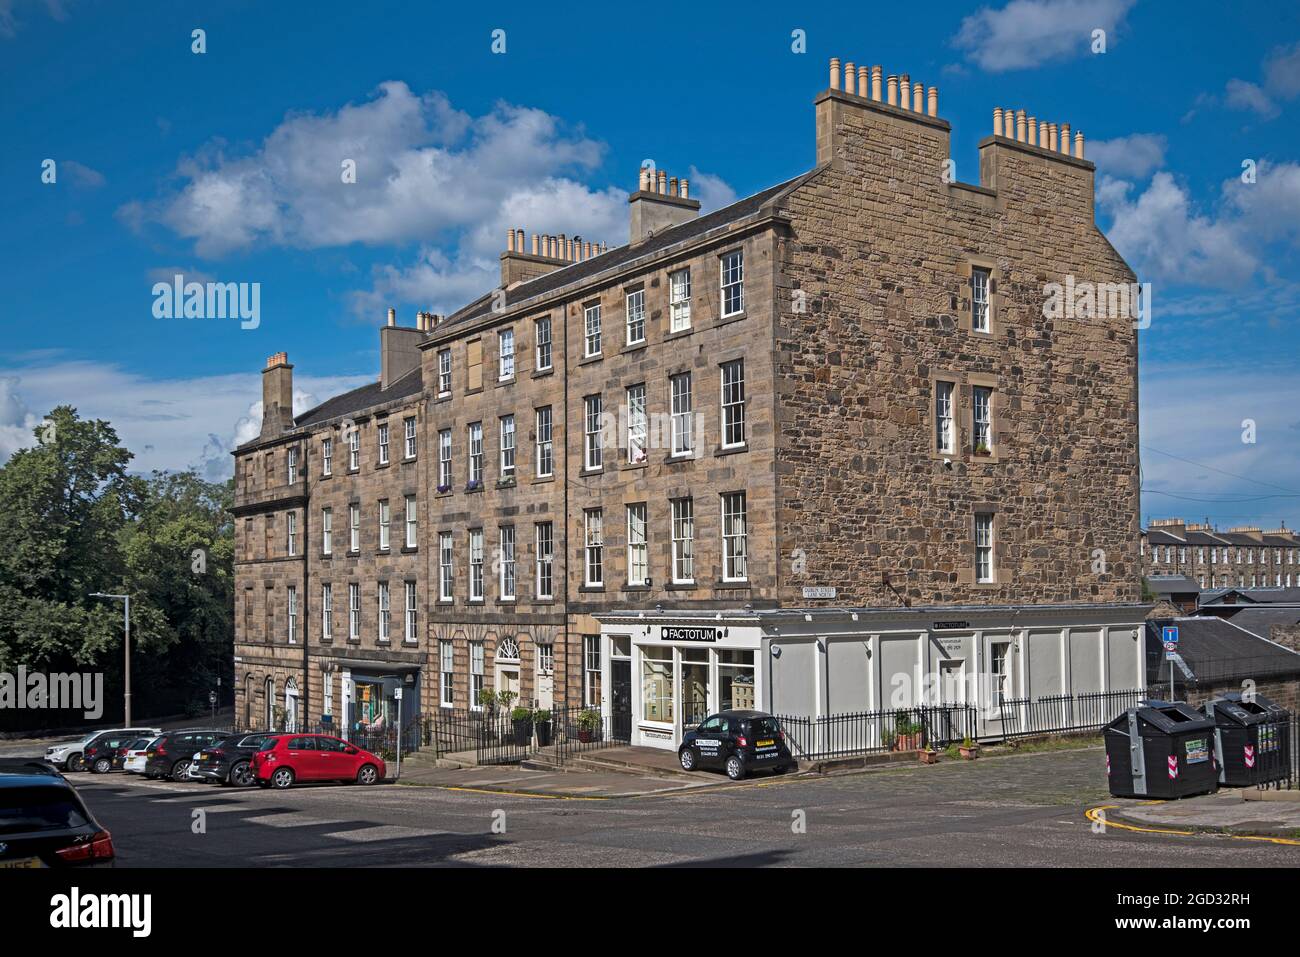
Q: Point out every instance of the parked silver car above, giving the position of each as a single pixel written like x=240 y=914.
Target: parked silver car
x=68 y=756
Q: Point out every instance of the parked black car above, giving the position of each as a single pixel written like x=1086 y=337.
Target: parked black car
x=107 y=751
x=738 y=742
x=44 y=823
x=171 y=754
x=227 y=761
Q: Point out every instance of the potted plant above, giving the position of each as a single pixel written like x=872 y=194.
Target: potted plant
x=473 y=486
x=444 y=489
x=488 y=699
x=969 y=749
x=521 y=719
x=542 y=723
x=588 y=722
x=908 y=734
x=928 y=755
x=983 y=449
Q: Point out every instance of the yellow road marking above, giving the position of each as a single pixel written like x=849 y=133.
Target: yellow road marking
x=1094 y=814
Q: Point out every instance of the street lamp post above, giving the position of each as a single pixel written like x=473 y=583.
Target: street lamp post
x=127 y=671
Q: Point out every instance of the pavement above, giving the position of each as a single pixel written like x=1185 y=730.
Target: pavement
x=1240 y=812
x=507 y=779
x=1030 y=810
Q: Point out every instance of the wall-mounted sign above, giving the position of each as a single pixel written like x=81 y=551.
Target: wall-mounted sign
x=818 y=591
x=951 y=646
x=691 y=634
x=949 y=625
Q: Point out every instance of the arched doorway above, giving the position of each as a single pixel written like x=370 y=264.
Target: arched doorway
x=507 y=667
x=291 y=705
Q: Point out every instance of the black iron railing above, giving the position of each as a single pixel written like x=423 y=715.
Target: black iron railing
x=866 y=732
x=1058 y=714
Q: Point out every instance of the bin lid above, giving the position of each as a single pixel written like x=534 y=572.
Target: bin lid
x=1239 y=709
x=1171 y=717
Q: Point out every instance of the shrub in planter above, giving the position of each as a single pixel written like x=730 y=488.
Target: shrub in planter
x=542 y=722
x=522 y=720
x=588 y=724
x=969 y=750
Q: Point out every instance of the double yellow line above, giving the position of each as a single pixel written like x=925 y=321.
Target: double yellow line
x=1095 y=815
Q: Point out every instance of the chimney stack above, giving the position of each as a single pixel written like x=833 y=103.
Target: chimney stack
x=835 y=73
x=1078 y=145
x=277 y=396
x=658 y=204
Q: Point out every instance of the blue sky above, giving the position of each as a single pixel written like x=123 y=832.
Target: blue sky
x=225 y=166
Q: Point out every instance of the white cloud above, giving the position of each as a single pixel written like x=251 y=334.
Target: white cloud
x=81 y=174
x=1135 y=156
x=10 y=23
x=1240 y=95
x=423 y=170
x=1165 y=238
x=169 y=424
x=1026 y=33
x=1282 y=72
x=712 y=191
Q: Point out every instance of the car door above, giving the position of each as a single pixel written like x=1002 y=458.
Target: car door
x=709 y=741
x=303 y=758
x=335 y=763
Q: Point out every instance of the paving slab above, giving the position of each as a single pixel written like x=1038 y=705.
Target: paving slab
x=554 y=784
x=1227 y=811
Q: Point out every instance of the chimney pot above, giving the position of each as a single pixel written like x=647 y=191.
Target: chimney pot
x=875 y=83
x=864 y=73
x=850 y=77
x=1033 y=132
x=392 y=317
x=1065 y=138
x=1020 y=126
x=1051 y=137
x=835 y=73
x=891 y=84
x=510 y=240
x=904 y=89
x=933 y=104
x=685 y=194
x=1078 y=145
x=535 y=244
x=997 y=121
x=672 y=185
x=663 y=181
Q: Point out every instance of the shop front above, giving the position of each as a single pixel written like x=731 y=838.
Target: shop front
x=370 y=704
x=668 y=676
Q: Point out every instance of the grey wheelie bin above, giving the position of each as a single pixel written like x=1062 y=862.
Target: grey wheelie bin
x=1161 y=749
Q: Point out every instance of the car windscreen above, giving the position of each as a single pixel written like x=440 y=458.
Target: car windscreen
x=766 y=727
x=267 y=744
x=139 y=744
x=39 y=808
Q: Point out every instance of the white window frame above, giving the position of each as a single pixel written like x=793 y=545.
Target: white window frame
x=291 y=464
x=593 y=453
x=385 y=525
x=447 y=673
x=383 y=443
x=638 y=425
x=476 y=564
x=985 y=568
x=327 y=457
x=638 y=544
x=475 y=452
x=291 y=604
x=981 y=299
x=542 y=344
x=507 y=580
x=945 y=435
x=327 y=610
x=411 y=604
x=545 y=580
x=591 y=328
x=444 y=459
x=634 y=304
x=385 y=598
x=981 y=411
x=545 y=430
x=506 y=426
x=681 y=406
x=735 y=539
x=354 y=527
x=446 y=568
x=592 y=671
x=354 y=449
x=291 y=532
x=412 y=521
x=679 y=300
x=476 y=658
x=505 y=355
x=732 y=283
x=593 y=564
x=444 y=372
x=733 y=404
x=409 y=434
x=683 y=519
x=354 y=611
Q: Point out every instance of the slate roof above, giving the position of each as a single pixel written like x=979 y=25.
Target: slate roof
x=1258 y=619
x=362 y=398
x=1163 y=585
x=621 y=255
x=1253 y=596
x=1214 y=649
x=1159 y=536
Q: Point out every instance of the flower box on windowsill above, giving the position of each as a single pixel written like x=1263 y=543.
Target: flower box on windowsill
x=508 y=482
x=983 y=450
x=473 y=486
x=444 y=489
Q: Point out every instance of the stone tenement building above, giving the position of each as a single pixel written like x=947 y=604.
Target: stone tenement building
x=1242 y=557
x=822 y=450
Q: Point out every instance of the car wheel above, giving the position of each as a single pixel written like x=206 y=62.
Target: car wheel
x=76 y=763
x=241 y=775
x=102 y=766
x=282 y=778
x=690 y=760
x=179 y=770
x=369 y=774
x=735 y=768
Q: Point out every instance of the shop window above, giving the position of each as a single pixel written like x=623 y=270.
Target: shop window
x=657 y=685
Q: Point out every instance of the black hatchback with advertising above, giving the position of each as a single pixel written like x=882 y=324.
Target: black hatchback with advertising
x=738 y=742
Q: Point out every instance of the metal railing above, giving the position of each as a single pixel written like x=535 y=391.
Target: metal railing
x=1060 y=714
x=867 y=732
x=1276 y=757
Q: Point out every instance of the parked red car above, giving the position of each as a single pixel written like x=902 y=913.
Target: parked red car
x=288 y=758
